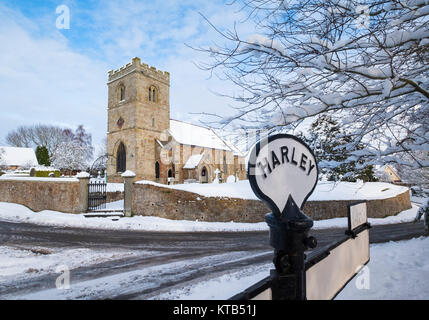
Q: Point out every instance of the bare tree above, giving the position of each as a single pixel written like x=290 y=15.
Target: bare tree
x=36 y=135
x=367 y=64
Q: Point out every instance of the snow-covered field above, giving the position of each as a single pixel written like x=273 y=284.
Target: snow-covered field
x=18 y=213
x=397 y=270
x=324 y=190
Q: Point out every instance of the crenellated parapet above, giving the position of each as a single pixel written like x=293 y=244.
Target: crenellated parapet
x=136 y=65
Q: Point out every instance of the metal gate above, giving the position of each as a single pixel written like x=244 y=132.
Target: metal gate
x=97 y=196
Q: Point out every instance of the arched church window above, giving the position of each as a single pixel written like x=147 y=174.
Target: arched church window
x=152 y=93
x=157 y=170
x=121 y=158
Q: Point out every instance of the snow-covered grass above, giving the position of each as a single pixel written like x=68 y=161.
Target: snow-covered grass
x=115 y=187
x=324 y=190
x=18 y=213
x=397 y=270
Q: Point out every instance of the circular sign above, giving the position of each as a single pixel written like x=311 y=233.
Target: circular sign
x=282 y=166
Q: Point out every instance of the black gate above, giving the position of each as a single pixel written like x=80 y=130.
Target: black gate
x=97 y=196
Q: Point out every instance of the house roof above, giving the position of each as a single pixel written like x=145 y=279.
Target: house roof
x=193 y=161
x=190 y=134
x=21 y=157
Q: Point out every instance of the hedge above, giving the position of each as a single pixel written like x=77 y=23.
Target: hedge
x=45 y=174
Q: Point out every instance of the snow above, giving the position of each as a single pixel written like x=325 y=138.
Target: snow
x=17 y=178
x=128 y=174
x=83 y=175
x=21 y=157
x=324 y=190
x=144 y=278
x=115 y=187
x=397 y=271
x=231 y=179
x=193 y=161
x=18 y=262
x=17 y=213
x=220 y=288
x=189 y=134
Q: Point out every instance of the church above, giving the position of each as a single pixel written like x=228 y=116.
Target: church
x=142 y=137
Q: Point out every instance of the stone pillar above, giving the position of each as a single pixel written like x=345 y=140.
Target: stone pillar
x=83 y=191
x=128 y=177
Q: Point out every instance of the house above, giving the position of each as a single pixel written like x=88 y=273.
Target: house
x=387 y=173
x=144 y=139
x=13 y=158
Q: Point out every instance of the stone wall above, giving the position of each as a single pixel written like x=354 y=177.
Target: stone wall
x=167 y=203
x=40 y=195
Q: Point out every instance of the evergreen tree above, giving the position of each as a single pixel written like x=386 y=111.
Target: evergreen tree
x=42 y=155
x=329 y=144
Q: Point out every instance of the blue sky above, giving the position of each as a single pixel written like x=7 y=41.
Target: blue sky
x=59 y=77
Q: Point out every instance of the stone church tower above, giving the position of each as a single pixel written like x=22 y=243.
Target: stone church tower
x=138 y=112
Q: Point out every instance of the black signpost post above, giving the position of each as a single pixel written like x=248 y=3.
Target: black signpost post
x=289 y=157
x=283 y=173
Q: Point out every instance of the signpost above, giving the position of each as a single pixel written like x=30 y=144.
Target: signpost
x=283 y=173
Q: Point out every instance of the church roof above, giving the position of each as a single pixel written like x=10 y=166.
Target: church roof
x=190 y=134
x=20 y=157
x=193 y=161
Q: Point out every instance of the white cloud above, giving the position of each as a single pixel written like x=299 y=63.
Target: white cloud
x=47 y=78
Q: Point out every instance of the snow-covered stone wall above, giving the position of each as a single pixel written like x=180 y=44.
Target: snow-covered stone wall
x=42 y=194
x=154 y=200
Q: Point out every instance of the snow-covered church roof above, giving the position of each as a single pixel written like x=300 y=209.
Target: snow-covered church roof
x=190 y=134
x=21 y=157
x=193 y=161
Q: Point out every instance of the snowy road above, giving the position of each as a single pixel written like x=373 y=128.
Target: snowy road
x=106 y=264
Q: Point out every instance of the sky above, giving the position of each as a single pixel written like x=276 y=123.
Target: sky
x=57 y=76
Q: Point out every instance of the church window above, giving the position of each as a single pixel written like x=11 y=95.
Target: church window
x=153 y=122
x=152 y=94
x=157 y=170
x=122 y=93
x=121 y=158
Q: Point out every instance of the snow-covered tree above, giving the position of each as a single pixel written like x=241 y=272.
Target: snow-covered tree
x=70 y=155
x=329 y=143
x=75 y=151
x=366 y=61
